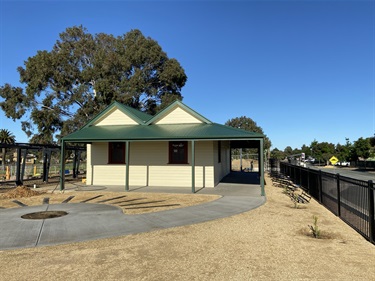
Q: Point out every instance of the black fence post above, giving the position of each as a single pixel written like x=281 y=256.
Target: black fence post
x=320 y=186
x=338 y=195
x=22 y=175
x=371 y=208
x=308 y=180
x=19 y=180
x=44 y=165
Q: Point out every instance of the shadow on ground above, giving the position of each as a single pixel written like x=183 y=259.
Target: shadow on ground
x=242 y=178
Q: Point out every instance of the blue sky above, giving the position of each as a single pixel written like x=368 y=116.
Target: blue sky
x=302 y=70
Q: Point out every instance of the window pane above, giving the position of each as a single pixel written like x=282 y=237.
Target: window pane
x=178 y=152
x=116 y=153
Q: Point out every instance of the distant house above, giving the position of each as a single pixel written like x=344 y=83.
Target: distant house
x=177 y=147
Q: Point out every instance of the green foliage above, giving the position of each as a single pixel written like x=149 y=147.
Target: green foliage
x=6 y=137
x=288 y=150
x=315 y=231
x=361 y=148
x=277 y=154
x=322 y=151
x=82 y=74
x=343 y=152
x=306 y=149
x=246 y=123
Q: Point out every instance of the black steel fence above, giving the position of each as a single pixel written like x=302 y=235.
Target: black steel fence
x=350 y=199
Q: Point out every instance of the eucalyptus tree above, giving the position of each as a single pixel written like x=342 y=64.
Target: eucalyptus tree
x=82 y=74
x=277 y=154
x=362 y=148
x=248 y=124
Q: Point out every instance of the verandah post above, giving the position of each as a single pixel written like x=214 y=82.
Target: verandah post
x=62 y=166
x=127 y=166
x=193 y=166
x=261 y=169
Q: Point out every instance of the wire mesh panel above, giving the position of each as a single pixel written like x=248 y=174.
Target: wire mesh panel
x=313 y=179
x=329 y=192
x=297 y=175
x=354 y=204
x=305 y=179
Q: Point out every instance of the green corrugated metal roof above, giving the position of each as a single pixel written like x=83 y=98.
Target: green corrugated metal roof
x=146 y=130
x=159 y=132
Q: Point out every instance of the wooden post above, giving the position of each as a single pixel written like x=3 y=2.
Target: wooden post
x=62 y=166
x=193 y=166
x=127 y=166
x=261 y=169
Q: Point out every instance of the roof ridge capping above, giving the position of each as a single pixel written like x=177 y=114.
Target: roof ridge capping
x=174 y=105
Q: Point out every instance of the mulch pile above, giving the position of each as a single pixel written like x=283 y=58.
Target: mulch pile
x=19 y=192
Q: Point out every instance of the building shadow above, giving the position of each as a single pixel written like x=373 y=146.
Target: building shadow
x=242 y=178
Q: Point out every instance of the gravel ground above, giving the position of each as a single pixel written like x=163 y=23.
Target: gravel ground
x=272 y=242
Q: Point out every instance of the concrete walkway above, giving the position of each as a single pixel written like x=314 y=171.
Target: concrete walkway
x=86 y=221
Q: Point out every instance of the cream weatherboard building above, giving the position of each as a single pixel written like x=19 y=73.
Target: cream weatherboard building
x=177 y=147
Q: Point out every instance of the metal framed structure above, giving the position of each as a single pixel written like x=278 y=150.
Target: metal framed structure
x=47 y=150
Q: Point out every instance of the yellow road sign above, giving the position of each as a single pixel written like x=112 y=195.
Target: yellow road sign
x=333 y=160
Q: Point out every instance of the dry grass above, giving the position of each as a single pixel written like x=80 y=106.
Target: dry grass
x=272 y=242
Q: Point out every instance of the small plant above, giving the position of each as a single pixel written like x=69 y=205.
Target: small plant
x=295 y=200
x=314 y=228
x=285 y=189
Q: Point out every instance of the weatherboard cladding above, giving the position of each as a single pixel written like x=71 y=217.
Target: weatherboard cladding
x=115 y=117
x=190 y=115
x=149 y=129
x=148 y=165
x=178 y=116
